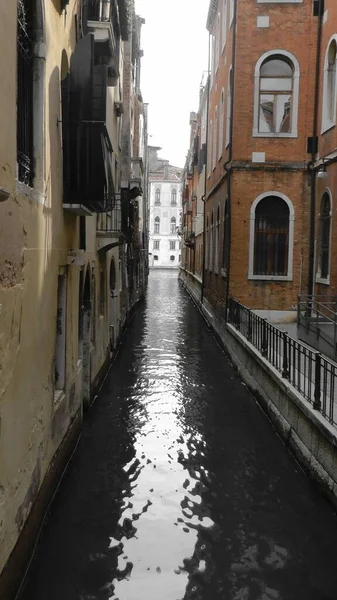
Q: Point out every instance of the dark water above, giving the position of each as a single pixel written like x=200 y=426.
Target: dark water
x=180 y=488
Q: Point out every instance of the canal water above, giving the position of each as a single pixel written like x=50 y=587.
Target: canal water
x=180 y=488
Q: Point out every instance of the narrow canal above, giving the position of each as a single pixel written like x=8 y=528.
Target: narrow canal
x=180 y=488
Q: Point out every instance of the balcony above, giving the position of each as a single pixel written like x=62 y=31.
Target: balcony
x=87 y=153
x=190 y=240
x=110 y=228
x=100 y=17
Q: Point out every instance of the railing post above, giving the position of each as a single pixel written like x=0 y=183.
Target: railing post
x=317 y=393
x=237 y=316
x=264 y=348
x=285 y=365
x=249 y=332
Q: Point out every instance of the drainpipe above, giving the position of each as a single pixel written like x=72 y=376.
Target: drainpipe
x=206 y=159
x=313 y=174
x=230 y=158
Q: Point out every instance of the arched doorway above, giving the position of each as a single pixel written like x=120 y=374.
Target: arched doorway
x=86 y=340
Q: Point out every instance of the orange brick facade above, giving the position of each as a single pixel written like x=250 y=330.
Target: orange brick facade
x=249 y=164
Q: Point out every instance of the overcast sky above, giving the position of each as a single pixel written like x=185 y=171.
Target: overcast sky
x=175 y=44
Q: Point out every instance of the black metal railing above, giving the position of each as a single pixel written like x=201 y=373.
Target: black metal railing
x=99 y=10
x=24 y=96
x=111 y=222
x=313 y=375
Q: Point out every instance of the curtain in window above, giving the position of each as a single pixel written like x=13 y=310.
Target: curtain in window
x=276 y=89
x=271 y=237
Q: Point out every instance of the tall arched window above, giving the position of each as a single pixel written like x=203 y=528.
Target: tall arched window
x=215 y=138
x=157 y=196
x=30 y=93
x=174 y=197
x=324 y=238
x=229 y=107
x=173 y=225
x=156 y=225
x=217 y=236
x=224 y=23
x=209 y=153
x=207 y=245
x=276 y=95
x=221 y=123
x=225 y=240
x=329 y=85
x=211 y=242
x=271 y=237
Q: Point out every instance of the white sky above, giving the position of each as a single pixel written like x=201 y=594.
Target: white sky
x=175 y=44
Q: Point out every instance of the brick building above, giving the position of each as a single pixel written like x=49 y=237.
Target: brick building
x=261 y=129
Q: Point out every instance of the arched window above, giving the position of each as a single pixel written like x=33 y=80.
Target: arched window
x=217 y=41
x=329 y=86
x=215 y=138
x=221 y=123
x=229 y=107
x=173 y=225
x=207 y=245
x=217 y=236
x=30 y=93
x=276 y=95
x=225 y=239
x=209 y=153
x=174 y=197
x=172 y=257
x=224 y=23
x=157 y=196
x=211 y=243
x=324 y=238
x=156 y=225
x=271 y=237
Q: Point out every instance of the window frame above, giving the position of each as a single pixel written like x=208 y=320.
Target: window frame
x=224 y=25
x=156 y=244
x=221 y=123
x=277 y=53
x=319 y=278
x=157 y=196
x=215 y=139
x=229 y=106
x=174 y=197
x=217 y=239
x=289 y=276
x=327 y=123
x=156 y=222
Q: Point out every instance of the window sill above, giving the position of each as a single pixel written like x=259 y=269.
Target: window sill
x=259 y=134
x=31 y=193
x=327 y=126
x=324 y=281
x=270 y=277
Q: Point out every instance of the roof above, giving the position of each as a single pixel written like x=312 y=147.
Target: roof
x=213 y=9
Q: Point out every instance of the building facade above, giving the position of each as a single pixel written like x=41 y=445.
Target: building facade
x=165 y=212
x=73 y=260
x=260 y=129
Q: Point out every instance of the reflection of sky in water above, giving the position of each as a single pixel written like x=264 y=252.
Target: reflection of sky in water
x=180 y=489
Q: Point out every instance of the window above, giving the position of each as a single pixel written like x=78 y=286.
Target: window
x=172 y=245
x=172 y=258
x=156 y=225
x=217 y=42
x=217 y=235
x=329 y=86
x=276 y=95
x=25 y=92
x=271 y=237
x=224 y=23
x=229 y=107
x=102 y=292
x=225 y=245
x=231 y=11
x=221 y=124
x=61 y=320
x=209 y=154
x=156 y=244
x=207 y=245
x=157 y=196
x=173 y=227
x=211 y=239
x=155 y=257
x=324 y=239
x=215 y=136
x=174 y=197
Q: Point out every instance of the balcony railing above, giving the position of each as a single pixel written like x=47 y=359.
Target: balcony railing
x=110 y=223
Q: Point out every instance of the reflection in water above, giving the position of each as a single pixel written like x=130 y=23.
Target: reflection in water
x=180 y=489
